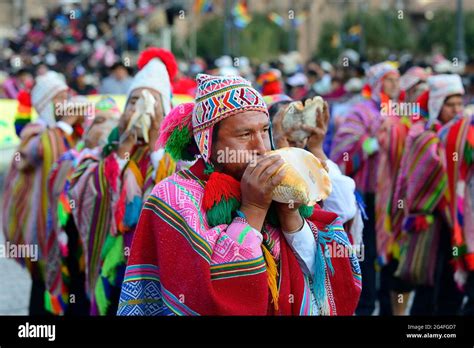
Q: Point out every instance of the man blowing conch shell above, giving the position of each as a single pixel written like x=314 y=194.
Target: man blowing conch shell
x=211 y=241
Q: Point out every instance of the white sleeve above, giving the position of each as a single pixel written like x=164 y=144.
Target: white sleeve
x=304 y=246
x=342 y=199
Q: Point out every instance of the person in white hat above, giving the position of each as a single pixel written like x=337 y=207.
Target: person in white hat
x=25 y=193
x=116 y=186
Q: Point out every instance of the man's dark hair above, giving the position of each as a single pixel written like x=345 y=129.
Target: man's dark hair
x=273 y=110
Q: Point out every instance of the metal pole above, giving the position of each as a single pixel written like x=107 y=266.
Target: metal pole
x=460 y=50
x=227 y=26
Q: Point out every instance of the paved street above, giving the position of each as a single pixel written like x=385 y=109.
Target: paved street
x=15 y=283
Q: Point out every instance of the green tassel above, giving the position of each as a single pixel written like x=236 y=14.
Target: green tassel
x=47 y=302
x=222 y=212
x=272 y=216
x=100 y=298
x=108 y=244
x=114 y=258
x=178 y=143
x=113 y=255
x=63 y=215
x=209 y=169
x=468 y=154
x=306 y=211
x=112 y=142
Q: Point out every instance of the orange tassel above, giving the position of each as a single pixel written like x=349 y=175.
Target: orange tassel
x=272 y=273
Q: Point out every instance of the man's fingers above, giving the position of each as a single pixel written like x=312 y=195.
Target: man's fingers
x=262 y=162
x=275 y=180
x=270 y=170
x=278 y=119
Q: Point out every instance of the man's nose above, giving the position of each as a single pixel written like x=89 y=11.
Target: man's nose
x=259 y=144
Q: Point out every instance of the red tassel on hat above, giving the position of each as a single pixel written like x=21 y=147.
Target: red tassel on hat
x=162 y=54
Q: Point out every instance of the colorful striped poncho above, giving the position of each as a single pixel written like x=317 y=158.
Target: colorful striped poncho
x=25 y=204
x=108 y=203
x=179 y=265
x=393 y=133
x=458 y=139
x=352 y=147
x=59 y=210
x=421 y=186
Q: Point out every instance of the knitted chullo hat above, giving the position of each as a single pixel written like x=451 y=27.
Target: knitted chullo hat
x=158 y=68
x=46 y=87
x=375 y=75
x=441 y=87
x=218 y=97
x=413 y=76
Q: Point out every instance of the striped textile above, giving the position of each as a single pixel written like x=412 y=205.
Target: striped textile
x=393 y=133
x=421 y=185
x=180 y=265
x=59 y=213
x=108 y=203
x=458 y=139
x=348 y=152
x=25 y=203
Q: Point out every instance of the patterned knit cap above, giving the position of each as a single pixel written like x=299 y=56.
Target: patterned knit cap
x=218 y=97
x=441 y=87
x=375 y=76
x=413 y=76
x=46 y=87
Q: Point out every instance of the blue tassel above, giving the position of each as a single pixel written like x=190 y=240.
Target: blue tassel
x=132 y=211
x=322 y=263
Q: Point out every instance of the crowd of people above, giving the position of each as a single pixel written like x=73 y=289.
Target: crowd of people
x=135 y=213
x=137 y=218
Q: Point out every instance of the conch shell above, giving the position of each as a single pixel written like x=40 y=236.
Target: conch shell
x=144 y=111
x=306 y=181
x=298 y=114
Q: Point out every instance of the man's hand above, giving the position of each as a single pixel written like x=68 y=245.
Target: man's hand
x=280 y=136
x=289 y=216
x=154 y=132
x=318 y=133
x=257 y=185
x=126 y=144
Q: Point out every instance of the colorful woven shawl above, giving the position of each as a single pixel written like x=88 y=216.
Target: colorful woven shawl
x=422 y=185
x=351 y=142
x=60 y=209
x=392 y=137
x=180 y=265
x=25 y=205
x=458 y=139
x=108 y=203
